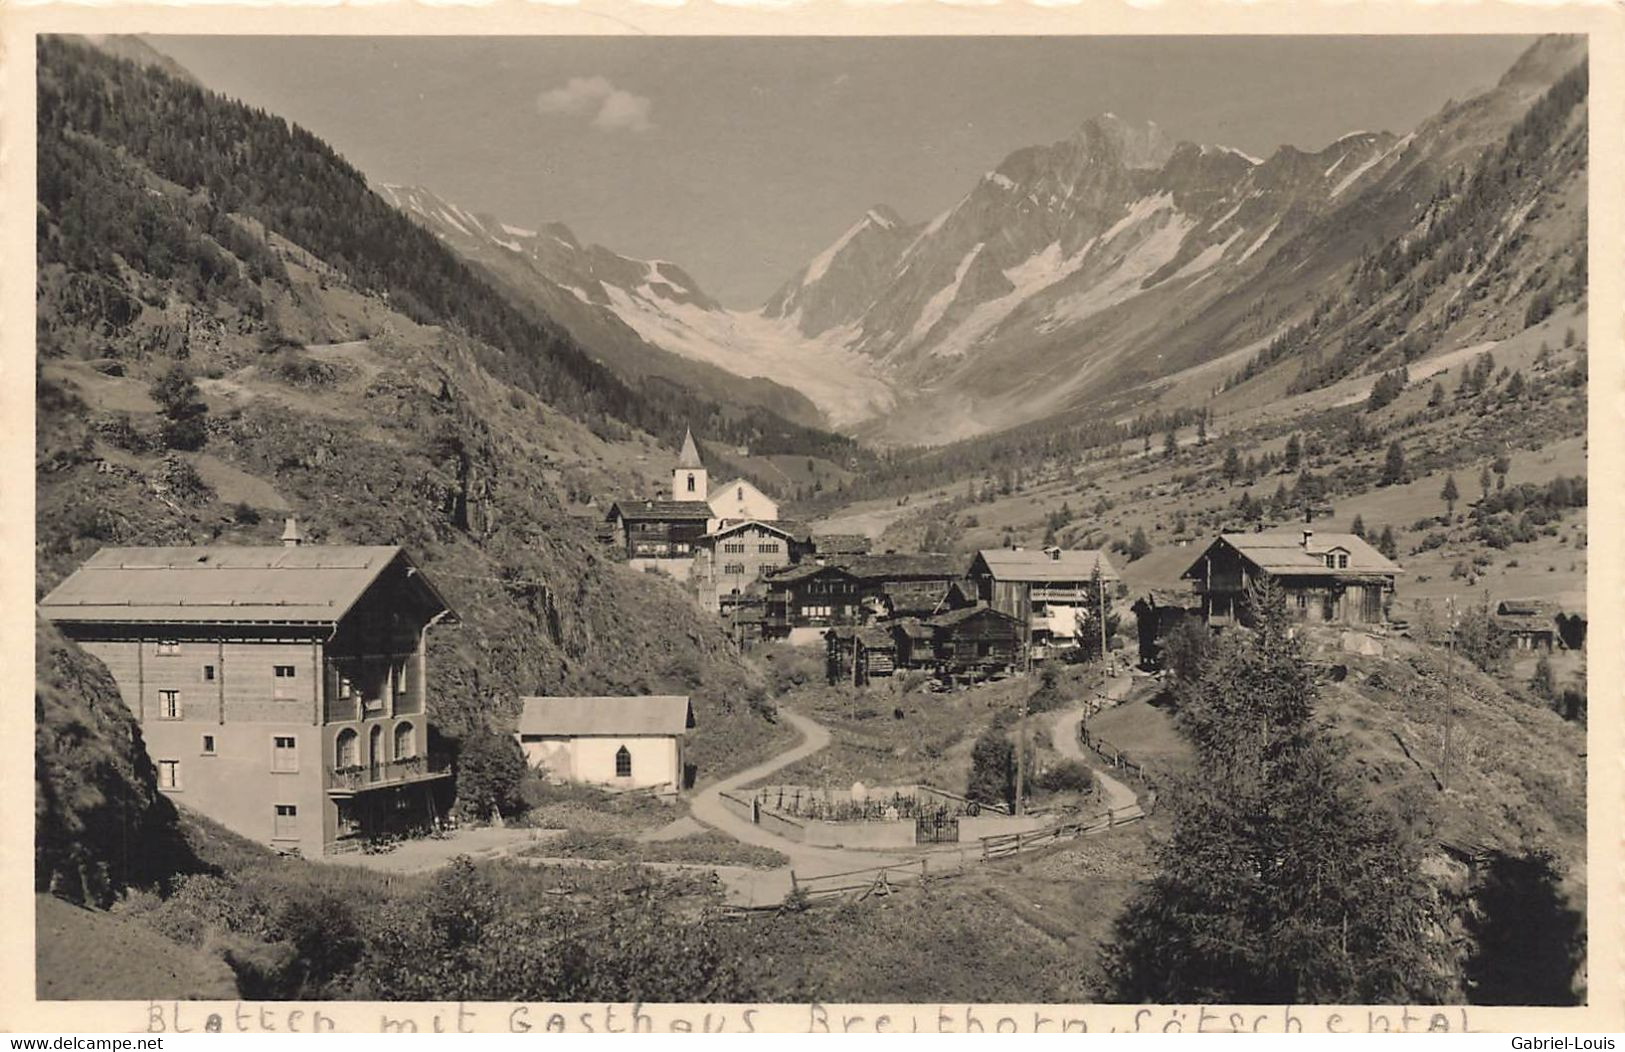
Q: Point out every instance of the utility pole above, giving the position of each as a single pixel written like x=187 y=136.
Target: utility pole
x=1449 y=687
x=1021 y=755
x=1100 y=593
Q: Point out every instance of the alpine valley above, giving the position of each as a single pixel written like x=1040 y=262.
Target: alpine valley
x=1096 y=268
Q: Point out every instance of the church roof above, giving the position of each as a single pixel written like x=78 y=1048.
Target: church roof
x=576 y=717
x=690 y=455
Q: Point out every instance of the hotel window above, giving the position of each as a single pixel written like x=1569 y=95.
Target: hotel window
x=1342 y=561
x=169 y=704
x=169 y=774
x=282 y=677
x=208 y=745
x=283 y=671
x=623 y=762
x=734 y=568
x=769 y=548
x=285 y=825
x=208 y=673
x=168 y=647
x=741 y=492
x=284 y=753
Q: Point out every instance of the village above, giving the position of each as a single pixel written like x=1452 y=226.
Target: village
x=1176 y=593
x=284 y=692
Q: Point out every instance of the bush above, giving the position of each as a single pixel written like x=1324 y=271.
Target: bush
x=490 y=775
x=1067 y=776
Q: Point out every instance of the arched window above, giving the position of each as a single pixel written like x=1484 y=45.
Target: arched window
x=623 y=762
x=741 y=493
x=406 y=741
x=691 y=483
x=346 y=749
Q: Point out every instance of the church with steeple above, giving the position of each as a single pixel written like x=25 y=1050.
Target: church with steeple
x=671 y=530
x=730 y=502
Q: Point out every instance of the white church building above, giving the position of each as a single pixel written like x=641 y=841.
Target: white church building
x=729 y=502
x=616 y=742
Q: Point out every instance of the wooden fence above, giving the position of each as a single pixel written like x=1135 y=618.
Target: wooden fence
x=1007 y=844
x=1116 y=758
x=858 y=884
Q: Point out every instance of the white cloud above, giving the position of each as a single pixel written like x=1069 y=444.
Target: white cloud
x=611 y=108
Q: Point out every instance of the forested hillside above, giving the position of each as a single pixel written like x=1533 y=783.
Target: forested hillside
x=192 y=389
x=231 y=160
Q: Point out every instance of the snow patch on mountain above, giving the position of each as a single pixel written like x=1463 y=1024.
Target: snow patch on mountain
x=847 y=387
x=1029 y=277
x=820 y=264
x=1206 y=259
x=1158 y=230
x=938 y=304
x=517 y=231
x=1256 y=245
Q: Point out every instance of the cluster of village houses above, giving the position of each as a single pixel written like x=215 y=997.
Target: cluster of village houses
x=282 y=690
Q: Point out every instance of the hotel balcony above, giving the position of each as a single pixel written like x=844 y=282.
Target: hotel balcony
x=347 y=781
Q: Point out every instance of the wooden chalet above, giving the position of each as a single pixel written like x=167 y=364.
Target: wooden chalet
x=811 y=596
x=975 y=642
x=858 y=653
x=1157 y=613
x=1045 y=590
x=1335 y=578
x=659 y=529
x=857 y=589
x=1531 y=624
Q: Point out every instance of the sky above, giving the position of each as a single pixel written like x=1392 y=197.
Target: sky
x=740 y=159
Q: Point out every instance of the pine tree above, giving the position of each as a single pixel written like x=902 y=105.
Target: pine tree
x=1358 y=528
x=1450 y=494
x=1484 y=482
x=185 y=415
x=1281 y=882
x=1294 y=450
x=1393 y=467
x=1232 y=464
x=1386 y=544
x=1138 y=546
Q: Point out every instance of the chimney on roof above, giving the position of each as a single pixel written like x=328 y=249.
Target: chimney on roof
x=1054 y=553
x=1308 y=535
x=292 y=535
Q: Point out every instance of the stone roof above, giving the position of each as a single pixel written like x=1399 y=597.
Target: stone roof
x=580 y=717
x=225 y=584
x=1038 y=565
x=661 y=510
x=1287 y=554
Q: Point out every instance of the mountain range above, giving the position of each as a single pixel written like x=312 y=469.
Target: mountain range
x=1085 y=270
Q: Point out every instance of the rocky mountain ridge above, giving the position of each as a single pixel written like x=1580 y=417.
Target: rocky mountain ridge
x=1069 y=273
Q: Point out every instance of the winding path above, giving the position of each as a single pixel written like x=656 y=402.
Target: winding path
x=764 y=887
x=748 y=887
x=1064 y=735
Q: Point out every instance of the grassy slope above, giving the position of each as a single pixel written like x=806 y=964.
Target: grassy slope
x=85 y=954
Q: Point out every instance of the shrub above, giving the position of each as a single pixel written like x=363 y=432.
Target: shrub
x=490 y=773
x=1067 y=776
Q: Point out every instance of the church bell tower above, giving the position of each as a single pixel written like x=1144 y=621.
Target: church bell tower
x=689 y=480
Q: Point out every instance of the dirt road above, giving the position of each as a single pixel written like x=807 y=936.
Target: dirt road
x=1064 y=733
x=766 y=887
